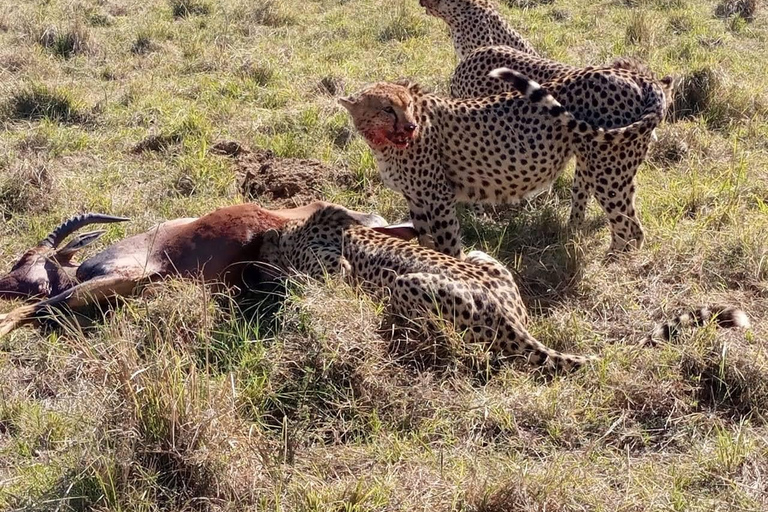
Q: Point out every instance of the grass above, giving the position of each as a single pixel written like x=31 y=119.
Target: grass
x=38 y=101
x=184 y=8
x=66 y=43
x=183 y=399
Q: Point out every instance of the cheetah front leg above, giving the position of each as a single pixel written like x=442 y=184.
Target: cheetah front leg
x=582 y=189
x=437 y=224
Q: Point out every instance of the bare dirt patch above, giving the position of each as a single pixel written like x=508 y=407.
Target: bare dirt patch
x=282 y=182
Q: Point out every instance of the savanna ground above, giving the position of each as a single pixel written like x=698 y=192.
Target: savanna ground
x=178 y=400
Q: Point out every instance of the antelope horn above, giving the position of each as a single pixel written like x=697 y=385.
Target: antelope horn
x=71 y=225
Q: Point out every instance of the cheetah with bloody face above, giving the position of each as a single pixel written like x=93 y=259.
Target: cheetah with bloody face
x=437 y=151
x=474 y=24
x=477 y=294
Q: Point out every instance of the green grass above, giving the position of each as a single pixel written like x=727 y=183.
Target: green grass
x=179 y=400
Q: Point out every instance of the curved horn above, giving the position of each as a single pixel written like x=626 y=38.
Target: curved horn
x=71 y=225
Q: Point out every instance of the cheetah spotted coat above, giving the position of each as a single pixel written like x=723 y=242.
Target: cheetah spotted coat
x=498 y=149
x=478 y=295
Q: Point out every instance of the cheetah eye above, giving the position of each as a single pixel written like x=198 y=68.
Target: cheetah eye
x=390 y=110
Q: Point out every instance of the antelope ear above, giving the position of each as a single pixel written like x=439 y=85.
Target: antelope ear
x=347 y=102
x=404 y=231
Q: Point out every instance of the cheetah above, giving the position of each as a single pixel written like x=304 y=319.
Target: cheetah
x=484 y=41
x=474 y=24
x=606 y=96
x=438 y=151
x=477 y=294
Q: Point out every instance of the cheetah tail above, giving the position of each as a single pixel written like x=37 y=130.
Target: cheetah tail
x=538 y=354
x=725 y=316
x=536 y=94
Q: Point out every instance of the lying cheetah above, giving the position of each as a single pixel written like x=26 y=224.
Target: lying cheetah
x=476 y=23
x=476 y=294
x=437 y=151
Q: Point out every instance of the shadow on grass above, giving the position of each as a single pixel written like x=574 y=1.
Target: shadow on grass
x=535 y=242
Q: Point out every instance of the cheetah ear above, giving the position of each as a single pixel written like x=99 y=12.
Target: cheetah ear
x=347 y=102
x=412 y=87
x=270 y=236
x=404 y=231
x=669 y=85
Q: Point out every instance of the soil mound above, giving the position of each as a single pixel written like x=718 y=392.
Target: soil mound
x=282 y=182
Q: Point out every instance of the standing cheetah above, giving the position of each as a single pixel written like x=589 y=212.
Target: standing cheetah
x=484 y=41
x=605 y=96
x=437 y=151
x=478 y=295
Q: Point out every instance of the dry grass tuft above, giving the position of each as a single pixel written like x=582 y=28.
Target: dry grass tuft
x=27 y=187
x=268 y=13
x=402 y=26
x=333 y=369
x=186 y=8
x=696 y=92
x=157 y=143
x=260 y=74
x=331 y=85
x=640 y=30
x=746 y=9
x=527 y=4
x=66 y=44
x=517 y=495
x=143 y=44
x=38 y=101
x=731 y=378
x=100 y=19
x=671 y=148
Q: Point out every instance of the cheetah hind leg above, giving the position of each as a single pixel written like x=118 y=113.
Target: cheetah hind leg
x=422 y=298
x=582 y=190
x=417 y=308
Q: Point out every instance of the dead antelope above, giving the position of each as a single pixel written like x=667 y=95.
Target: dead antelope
x=214 y=247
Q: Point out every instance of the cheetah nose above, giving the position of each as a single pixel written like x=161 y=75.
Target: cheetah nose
x=410 y=127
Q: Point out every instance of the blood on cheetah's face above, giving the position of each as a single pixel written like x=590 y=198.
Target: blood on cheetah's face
x=383 y=113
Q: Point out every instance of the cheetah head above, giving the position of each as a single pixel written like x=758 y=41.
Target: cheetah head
x=452 y=10
x=384 y=114
x=314 y=246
